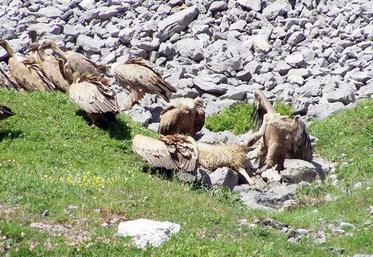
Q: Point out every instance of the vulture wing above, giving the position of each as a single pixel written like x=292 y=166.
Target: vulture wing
x=302 y=148
x=199 y=120
x=5 y=112
x=169 y=120
x=136 y=75
x=170 y=152
x=91 y=99
x=35 y=66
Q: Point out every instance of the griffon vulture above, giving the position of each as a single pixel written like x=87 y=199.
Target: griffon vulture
x=50 y=66
x=139 y=78
x=27 y=74
x=74 y=65
x=182 y=116
x=280 y=137
x=181 y=152
x=5 y=112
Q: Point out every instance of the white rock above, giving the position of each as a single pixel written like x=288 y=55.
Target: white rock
x=87 y=4
x=271 y=175
x=295 y=60
x=224 y=177
x=146 y=232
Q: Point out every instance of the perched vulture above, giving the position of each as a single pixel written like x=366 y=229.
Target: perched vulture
x=74 y=65
x=139 y=78
x=26 y=74
x=5 y=112
x=280 y=137
x=50 y=66
x=95 y=97
x=181 y=152
x=183 y=116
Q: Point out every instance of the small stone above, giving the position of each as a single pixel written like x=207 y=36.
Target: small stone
x=224 y=177
x=296 y=38
x=90 y=44
x=146 y=232
x=218 y=6
x=277 y=8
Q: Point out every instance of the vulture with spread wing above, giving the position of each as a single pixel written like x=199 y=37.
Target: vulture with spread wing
x=182 y=116
x=280 y=137
x=5 y=112
x=27 y=73
x=95 y=97
x=49 y=64
x=74 y=65
x=139 y=78
x=181 y=152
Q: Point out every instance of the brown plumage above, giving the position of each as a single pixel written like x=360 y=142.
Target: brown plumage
x=74 y=65
x=183 y=153
x=95 y=97
x=27 y=73
x=139 y=78
x=280 y=137
x=182 y=116
x=5 y=112
x=49 y=64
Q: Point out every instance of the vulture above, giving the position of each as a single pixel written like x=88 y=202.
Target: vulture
x=5 y=112
x=95 y=97
x=50 y=66
x=74 y=64
x=139 y=78
x=182 y=116
x=27 y=73
x=280 y=137
x=182 y=152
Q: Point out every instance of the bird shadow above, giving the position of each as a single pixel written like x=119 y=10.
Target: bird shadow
x=116 y=128
x=161 y=173
x=10 y=134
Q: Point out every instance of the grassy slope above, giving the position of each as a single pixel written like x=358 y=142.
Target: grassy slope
x=50 y=159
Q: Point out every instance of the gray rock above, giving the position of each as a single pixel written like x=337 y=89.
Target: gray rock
x=366 y=92
x=255 y=5
x=277 y=8
x=177 y=22
x=224 y=177
x=344 y=95
x=244 y=75
x=260 y=45
x=205 y=84
x=296 y=171
x=90 y=44
x=237 y=93
x=50 y=12
x=283 y=68
x=190 y=48
x=296 y=38
x=105 y=13
x=218 y=6
x=140 y=115
x=146 y=232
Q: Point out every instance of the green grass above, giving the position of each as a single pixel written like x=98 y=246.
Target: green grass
x=236 y=118
x=50 y=158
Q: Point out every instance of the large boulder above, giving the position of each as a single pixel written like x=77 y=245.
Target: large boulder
x=296 y=171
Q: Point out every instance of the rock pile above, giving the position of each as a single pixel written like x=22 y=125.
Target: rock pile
x=319 y=56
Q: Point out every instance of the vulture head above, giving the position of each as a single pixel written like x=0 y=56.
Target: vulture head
x=199 y=103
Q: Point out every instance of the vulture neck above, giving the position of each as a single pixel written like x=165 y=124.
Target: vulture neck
x=60 y=53
x=264 y=103
x=9 y=50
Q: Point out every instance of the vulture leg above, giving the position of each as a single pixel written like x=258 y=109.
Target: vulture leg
x=256 y=135
x=246 y=176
